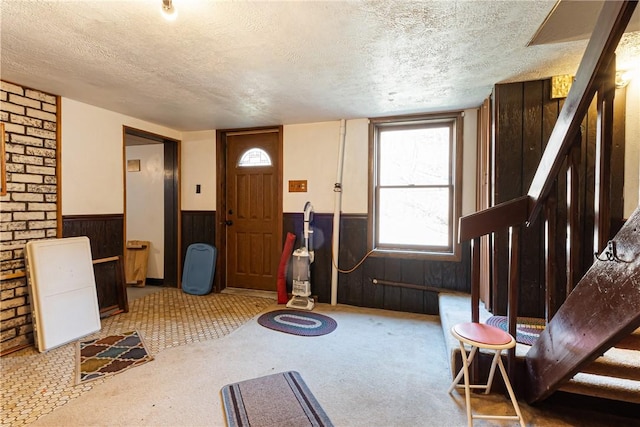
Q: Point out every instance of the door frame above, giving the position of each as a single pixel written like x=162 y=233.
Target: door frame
x=220 y=281
x=171 y=208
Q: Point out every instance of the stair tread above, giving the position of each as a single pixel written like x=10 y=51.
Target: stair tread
x=603 y=386
x=617 y=362
x=632 y=342
x=617 y=366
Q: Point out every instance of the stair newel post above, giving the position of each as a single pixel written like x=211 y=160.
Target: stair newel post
x=604 y=145
x=550 y=255
x=512 y=307
x=475 y=279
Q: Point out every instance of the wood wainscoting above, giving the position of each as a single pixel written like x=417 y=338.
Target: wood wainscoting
x=199 y=227
x=525 y=116
x=105 y=232
x=357 y=288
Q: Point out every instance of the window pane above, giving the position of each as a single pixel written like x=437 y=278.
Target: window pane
x=255 y=157
x=414 y=156
x=414 y=216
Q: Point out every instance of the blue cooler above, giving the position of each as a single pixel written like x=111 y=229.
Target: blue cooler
x=199 y=269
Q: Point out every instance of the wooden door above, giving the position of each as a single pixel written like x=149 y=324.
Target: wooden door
x=252 y=209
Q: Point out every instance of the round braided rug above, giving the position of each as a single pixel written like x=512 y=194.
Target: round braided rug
x=297 y=322
x=528 y=329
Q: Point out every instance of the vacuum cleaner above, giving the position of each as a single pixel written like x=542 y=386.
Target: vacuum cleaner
x=302 y=259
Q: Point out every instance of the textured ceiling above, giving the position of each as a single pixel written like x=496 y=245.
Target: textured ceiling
x=228 y=64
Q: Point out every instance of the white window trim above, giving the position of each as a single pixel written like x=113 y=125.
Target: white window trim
x=451 y=253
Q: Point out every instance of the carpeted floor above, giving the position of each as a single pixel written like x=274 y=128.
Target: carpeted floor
x=377 y=369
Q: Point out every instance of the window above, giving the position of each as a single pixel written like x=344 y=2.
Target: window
x=415 y=185
x=254 y=157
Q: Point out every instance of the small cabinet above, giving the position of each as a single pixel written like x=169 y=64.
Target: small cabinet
x=136 y=260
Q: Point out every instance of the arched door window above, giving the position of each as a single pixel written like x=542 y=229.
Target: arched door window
x=254 y=157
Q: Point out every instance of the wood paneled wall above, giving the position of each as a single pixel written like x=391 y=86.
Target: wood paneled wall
x=524 y=116
x=357 y=288
x=105 y=232
x=198 y=227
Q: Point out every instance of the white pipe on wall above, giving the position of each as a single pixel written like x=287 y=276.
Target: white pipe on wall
x=337 y=188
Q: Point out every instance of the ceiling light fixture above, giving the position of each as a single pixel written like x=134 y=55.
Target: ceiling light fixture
x=168 y=11
x=623 y=78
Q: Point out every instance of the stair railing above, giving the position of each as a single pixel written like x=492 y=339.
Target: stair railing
x=594 y=75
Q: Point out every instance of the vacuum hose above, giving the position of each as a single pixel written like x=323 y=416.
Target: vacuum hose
x=308 y=217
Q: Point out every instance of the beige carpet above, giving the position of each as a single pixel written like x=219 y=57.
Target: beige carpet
x=378 y=368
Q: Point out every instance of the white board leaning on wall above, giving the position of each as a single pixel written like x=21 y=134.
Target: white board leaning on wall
x=62 y=289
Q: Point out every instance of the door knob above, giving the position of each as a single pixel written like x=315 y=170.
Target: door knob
x=228 y=222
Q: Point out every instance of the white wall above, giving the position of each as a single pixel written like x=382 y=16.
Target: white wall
x=92 y=176
x=469 y=161
x=145 y=203
x=198 y=159
x=311 y=153
x=92 y=157
x=632 y=148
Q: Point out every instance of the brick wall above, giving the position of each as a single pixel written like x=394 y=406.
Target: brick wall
x=29 y=209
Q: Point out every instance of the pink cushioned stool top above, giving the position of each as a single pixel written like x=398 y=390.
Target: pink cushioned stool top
x=479 y=332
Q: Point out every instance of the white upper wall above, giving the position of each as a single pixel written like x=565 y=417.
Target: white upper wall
x=145 y=199
x=311 y=153
x=198 y=159
x=92 y=157
x=469 y=161
x=632 y=148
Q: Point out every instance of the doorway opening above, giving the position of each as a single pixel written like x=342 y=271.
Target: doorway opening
x=249 y=207
x=152 y=201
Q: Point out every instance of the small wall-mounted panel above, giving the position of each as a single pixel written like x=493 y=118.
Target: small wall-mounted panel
x=560 y=86
x=133 y=165
x=299 y=186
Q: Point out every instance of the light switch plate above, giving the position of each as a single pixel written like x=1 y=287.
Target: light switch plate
x=298 y=186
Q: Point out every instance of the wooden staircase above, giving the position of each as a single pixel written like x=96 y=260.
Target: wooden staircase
x=603 y=309
x=604 y=306
x=615 y=375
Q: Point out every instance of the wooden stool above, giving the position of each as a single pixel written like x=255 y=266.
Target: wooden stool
x=479 y=335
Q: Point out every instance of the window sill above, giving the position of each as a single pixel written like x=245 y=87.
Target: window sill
x=421 y=255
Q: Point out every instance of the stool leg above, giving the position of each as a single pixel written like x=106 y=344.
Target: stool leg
x=492 y=372
x=467 y=396
x=510 y=390
x=461 y=371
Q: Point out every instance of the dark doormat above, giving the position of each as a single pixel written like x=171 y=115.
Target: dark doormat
x=296 y=322
x=281 y=399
